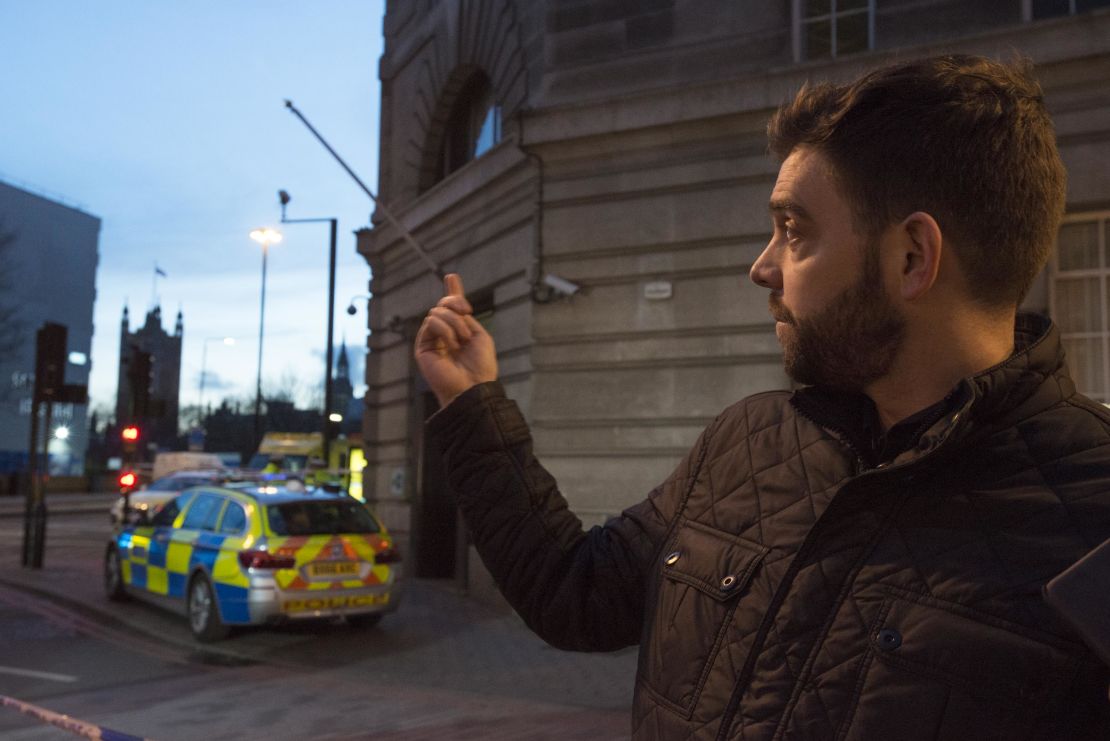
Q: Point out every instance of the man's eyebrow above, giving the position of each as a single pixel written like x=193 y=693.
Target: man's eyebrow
x=783 y=204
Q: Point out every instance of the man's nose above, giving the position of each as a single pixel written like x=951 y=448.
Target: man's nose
x=765 y=271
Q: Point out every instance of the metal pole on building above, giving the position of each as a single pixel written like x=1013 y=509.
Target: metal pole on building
x=409 y=239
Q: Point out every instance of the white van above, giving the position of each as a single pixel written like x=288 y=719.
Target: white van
x=167 y=463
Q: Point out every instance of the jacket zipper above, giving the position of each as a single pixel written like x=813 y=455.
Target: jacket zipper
x=862 y=472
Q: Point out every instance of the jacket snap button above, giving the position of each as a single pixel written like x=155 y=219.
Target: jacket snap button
x=672 y=559
x=728 y=582
x=889 y=639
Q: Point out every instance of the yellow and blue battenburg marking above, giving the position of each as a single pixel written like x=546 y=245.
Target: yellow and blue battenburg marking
x=160 y=560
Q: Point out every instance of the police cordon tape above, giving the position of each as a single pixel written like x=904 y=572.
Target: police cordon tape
x=78 y=727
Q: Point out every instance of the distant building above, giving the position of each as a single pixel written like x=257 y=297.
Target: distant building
x=47 y=274
x=341 y=389
x=159 y=421
x=621 y=146
x=344 y=400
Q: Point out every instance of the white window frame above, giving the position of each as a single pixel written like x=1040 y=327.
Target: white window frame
x=1102 y=218
x=799 y=23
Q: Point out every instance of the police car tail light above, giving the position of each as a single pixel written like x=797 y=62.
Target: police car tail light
x=387 y=555
x=265 y=560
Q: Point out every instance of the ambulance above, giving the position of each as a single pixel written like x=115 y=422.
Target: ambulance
x=302 y=454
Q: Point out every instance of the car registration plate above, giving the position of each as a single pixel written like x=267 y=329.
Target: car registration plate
x=333 y=568
x=333 y=603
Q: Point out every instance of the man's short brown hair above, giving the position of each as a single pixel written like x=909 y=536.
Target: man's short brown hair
x=963 y=138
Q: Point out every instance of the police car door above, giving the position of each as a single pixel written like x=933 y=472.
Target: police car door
x=144 y=562
x=196 y=535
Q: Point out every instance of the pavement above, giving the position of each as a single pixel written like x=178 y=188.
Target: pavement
x=445 y=640
x=61 y=503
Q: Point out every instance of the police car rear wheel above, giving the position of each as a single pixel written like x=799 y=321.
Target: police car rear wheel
x=204 y=613
x=364 y=621
x=113 y=576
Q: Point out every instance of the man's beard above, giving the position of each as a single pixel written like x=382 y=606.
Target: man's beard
x=848 y=344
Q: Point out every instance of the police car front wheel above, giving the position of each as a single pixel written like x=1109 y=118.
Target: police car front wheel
x=113 y=576
x=204 y=613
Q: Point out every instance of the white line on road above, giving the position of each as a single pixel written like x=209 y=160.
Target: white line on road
x=37 y=675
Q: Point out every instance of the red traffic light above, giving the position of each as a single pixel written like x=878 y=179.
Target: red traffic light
x=127 y=479
x=130 y=433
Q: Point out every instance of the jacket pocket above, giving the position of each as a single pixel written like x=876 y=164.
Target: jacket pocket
x=938 y=670
x=704 y=574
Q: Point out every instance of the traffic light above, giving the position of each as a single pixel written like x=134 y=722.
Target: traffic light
x=50 y=360
x=130 y=437
x=127 y=480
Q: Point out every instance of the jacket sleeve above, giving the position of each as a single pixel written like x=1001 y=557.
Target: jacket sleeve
x=577 y=590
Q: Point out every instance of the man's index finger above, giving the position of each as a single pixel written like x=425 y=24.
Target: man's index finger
x=452 y=285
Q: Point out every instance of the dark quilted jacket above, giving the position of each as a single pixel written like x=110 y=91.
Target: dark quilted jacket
x=780 y=589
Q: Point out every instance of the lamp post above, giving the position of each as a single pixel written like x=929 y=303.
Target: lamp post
x=351 y=308
x=203 y=365
x=264 y=237
x=284 y=198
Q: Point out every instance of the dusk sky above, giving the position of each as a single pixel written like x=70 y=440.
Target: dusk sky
x=166 y=121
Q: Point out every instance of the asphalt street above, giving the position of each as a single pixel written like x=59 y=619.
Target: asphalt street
x=443 y=667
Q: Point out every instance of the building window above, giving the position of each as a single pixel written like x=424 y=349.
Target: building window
x=1080 y=301
x=1035 y=10
x=473 y=128
x=827 y=29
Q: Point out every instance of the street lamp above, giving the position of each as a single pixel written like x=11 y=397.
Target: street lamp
x=284 y=198
x=203 y=365
x=264 y=237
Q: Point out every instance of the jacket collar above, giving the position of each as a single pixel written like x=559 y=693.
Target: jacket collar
x=1032 y=378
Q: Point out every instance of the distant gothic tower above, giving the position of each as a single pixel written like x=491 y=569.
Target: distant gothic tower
x=341 y=389
x=160 y=424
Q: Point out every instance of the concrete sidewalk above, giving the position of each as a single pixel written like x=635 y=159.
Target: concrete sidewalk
x=58 y=503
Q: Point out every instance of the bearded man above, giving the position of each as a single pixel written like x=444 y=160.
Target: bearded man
x=862 y=558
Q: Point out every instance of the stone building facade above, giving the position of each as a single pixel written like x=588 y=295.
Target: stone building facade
x=619 y=146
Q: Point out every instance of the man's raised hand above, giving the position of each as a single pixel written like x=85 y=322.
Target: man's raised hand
x=453 y=350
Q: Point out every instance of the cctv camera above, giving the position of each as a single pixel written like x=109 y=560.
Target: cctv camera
x=352 y=310
x=284 y=197
x=562 y=285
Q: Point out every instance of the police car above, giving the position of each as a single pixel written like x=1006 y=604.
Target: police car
x=257 y=553
x=152 y=496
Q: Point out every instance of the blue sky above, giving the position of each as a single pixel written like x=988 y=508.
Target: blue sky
x=165 y=119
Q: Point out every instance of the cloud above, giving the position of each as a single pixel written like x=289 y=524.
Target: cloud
x=214 y=382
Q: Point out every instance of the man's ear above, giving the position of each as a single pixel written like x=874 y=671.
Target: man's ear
x=922 y=245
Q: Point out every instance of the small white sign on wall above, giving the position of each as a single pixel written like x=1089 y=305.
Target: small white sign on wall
x=658 y=290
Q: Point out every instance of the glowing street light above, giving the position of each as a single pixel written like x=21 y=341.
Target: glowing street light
x=61 y=433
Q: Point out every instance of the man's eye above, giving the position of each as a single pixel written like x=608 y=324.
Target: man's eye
x=791 y=233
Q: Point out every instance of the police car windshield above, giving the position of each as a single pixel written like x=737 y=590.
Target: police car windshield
x=320 y=518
